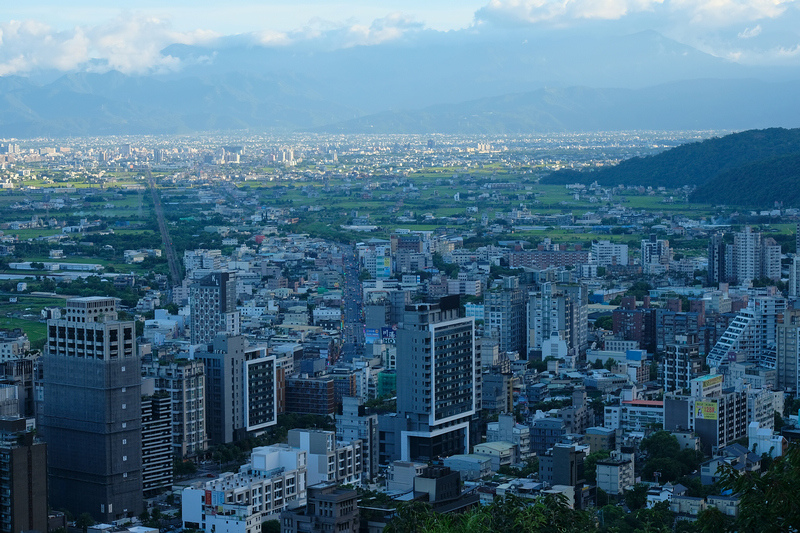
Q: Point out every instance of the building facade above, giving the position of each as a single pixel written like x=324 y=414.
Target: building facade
x=157 y=451
x=213 y=310
x=241 y=390
x=184 y=381
x=272 y=482
x=23 y=479
x=92 y=414
x=438 y=366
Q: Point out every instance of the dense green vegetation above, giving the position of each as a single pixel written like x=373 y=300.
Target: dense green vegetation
x=756 y=154
x=757 y=184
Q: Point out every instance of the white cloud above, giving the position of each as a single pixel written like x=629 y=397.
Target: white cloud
x=719 y=13
x=381 y=30
x=700 y=12
x=131 y=44
x=562 y=11
x=749 y=33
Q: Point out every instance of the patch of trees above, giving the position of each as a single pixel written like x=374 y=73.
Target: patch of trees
x=756 y=184
x=665 y=457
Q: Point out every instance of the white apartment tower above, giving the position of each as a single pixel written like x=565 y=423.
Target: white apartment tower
x=438 y=369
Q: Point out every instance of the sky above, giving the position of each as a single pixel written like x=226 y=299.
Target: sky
x=129 y=36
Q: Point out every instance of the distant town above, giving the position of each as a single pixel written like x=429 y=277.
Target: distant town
x=251 y=334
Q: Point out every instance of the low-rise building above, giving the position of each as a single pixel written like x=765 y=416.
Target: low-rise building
x=329 y=508
x=502 y=453
x=329 y=461
x=471 y=466
x=273 y=481
x=616 y=473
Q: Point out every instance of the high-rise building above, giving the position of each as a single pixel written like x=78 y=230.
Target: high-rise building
x=755 y=257
x=752 y=332
x=184 y=381
x=794 y=277
x=438 y=368
x=157 y=455
x=716 y=259
x=797 y=239
x=213 y=307
x=504 y=316
x=682 y=363
x=23 y=478
x=747 y=255
x=92 y=414
x=559 y=309
x=788 y=351
x=241 y=393
x=656 y=255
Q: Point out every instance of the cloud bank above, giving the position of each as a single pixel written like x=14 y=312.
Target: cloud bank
x=747 y=31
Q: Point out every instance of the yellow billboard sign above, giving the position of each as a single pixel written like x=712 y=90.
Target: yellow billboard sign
x=705 y=410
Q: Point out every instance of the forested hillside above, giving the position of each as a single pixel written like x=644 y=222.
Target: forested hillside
x=756 y=184
x=730 y=169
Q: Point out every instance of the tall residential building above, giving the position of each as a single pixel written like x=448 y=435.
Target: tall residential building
x=504 y=318
x=755 y=257
x=797 y=239
x=716 y=260
x=157 y=465
x=656 y=255
x=682 y=363
x=184 y=381
x=241 y=391
x=23 y=479
x=92 y=414
x=794 y=277
x=752 y=332
x=213 y=307
x=788 y=351
x=439 y=369
x=561 y=309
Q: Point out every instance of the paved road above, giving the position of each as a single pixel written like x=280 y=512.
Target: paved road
x=169 y=250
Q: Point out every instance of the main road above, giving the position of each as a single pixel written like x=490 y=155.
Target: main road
x=169 y=250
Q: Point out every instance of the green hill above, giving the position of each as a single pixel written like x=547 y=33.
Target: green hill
x=745 y=157
x=756 y=184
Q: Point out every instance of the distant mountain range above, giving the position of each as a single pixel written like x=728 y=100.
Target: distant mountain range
x=685 y=105
x=751 y=168
x=510 y=81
